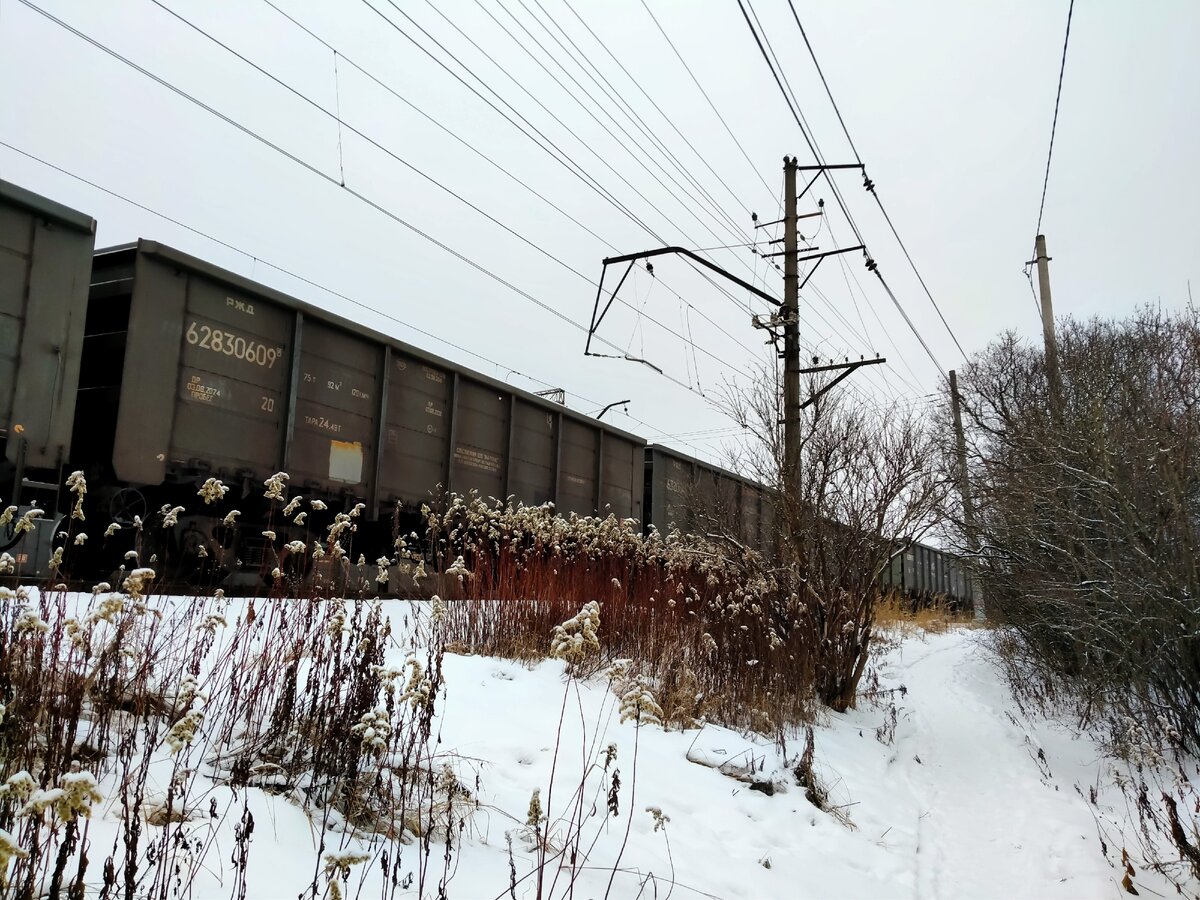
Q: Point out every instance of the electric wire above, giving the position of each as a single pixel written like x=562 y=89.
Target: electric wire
x=1054 y=124
x=431 y=180
x=578 y=57
x=700 y=156
x=845 y=211
x=704 y=93
x=874 y=192
x=468 y=145
x=331 y=291
x=359 y=196
x=561 y=156
x=620 y=97
x=630 y=139
x=586 y=144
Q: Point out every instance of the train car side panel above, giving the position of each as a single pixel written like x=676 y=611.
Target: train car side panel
x=534 y=445
x=577 y=481
x=45 y=268
x=417 y=432
x=337 y=396
x=480 y=460
x=152 y=349
x=231 y=396
x=621 y=491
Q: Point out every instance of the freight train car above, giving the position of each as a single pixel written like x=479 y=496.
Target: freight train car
x=152 y=370
x=922 y=572
x=45 y=263
x=692 y=496
x=190 y=371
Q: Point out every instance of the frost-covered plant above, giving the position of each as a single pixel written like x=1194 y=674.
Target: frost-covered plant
x=576 y=638
x=638 y=704
x=337 y=869
x=30 y=621
x=212 y=491
x=9 y=850
x=373 y=730
x=382 y=564
x=275 y=486
x=135 y=582
x=660 y=818
x=25 y=524
x=77 y=485
x=74 y=796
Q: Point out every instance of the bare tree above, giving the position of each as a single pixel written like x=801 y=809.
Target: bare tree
x=865 y=488
x=1088 y=518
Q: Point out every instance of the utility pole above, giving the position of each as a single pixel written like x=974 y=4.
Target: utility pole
x=1053 y=381
x=790 y=313
x=784 y=323
x=964 y=490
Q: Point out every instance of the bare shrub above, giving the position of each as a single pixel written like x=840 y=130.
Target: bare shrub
x=1087 y=522
x=862 y=486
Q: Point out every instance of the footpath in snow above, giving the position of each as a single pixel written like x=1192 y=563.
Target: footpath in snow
x=969 y=800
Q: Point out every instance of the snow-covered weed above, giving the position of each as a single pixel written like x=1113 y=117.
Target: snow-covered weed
x=692 y=612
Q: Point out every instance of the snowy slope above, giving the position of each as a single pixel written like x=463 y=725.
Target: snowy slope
x=959 y=795
x=960 y=805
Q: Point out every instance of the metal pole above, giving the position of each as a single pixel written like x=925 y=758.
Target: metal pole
x=964 y=490
x=791 y=333
x=1053 y=381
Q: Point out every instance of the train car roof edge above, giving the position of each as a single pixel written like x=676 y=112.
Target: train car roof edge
x=241 y=283
x=679 y=454
x=44 y=206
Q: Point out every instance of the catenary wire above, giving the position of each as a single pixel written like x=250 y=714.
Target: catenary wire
x=874 y=192
x=436 y=183
x=331 y=291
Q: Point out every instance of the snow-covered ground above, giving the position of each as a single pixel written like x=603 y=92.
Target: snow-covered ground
x=970 y=800
x=939 y=787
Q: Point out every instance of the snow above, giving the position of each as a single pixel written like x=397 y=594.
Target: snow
x=967 y=797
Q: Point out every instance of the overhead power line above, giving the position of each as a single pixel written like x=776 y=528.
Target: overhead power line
x=480 y=154
x=1054 y=124
x=560 y=155
x=356 y=194
x=291 y=273
x=870 y=185
x=793 y=108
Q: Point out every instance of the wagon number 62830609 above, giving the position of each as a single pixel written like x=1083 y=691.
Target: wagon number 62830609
x=230 y=344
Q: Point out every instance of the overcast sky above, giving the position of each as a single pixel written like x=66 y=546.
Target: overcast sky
x=948 y=103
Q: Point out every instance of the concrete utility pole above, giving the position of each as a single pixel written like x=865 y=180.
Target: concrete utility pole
x=1053 y=381
x=964 y=490
x=791 y=329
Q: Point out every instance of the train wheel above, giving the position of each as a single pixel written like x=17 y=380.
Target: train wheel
x=126 y=504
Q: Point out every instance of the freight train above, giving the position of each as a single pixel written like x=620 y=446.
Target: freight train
x=152 y=371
